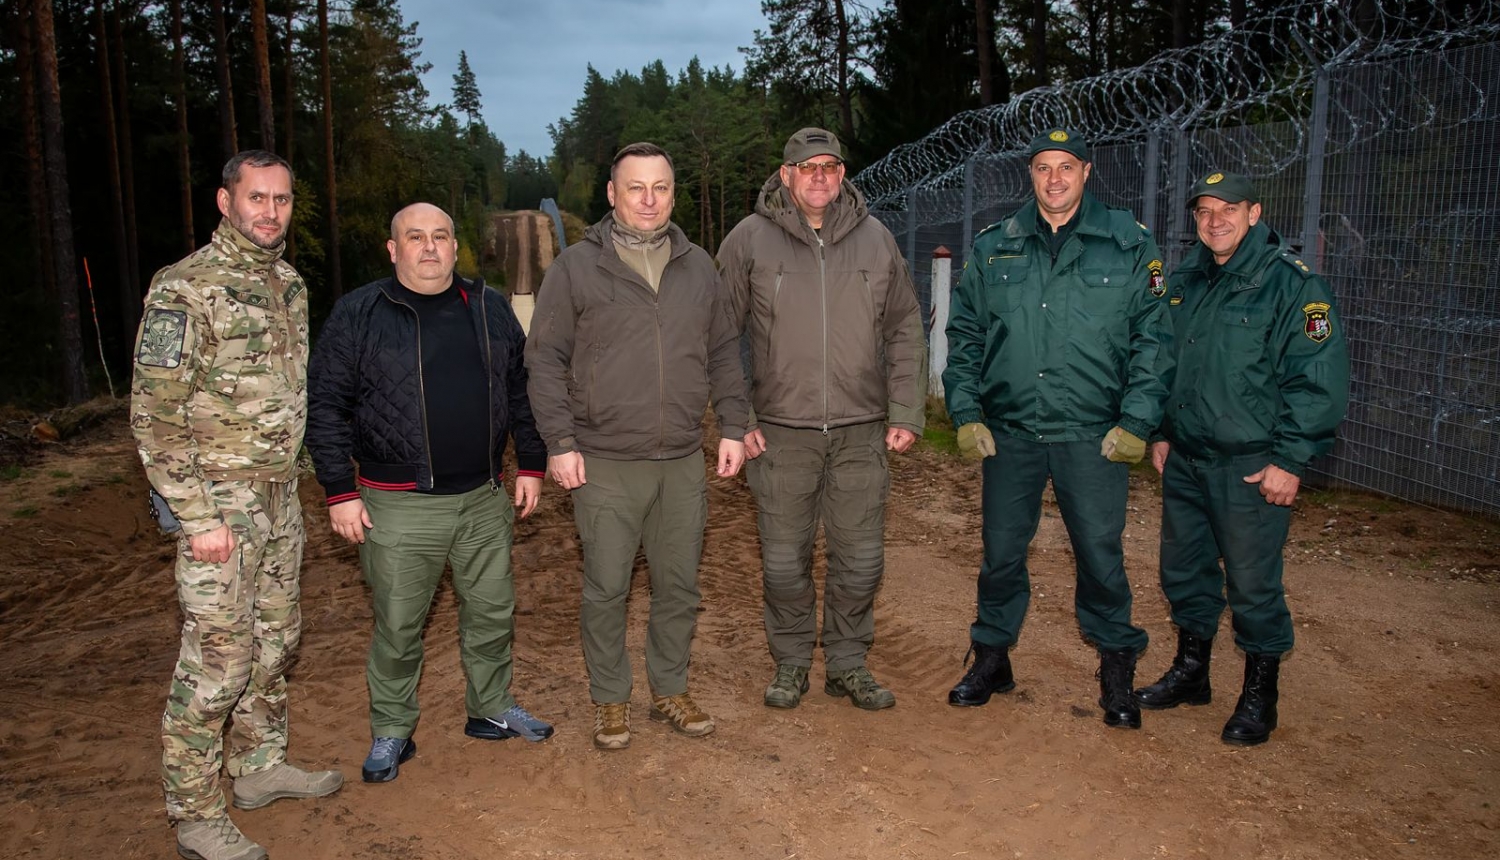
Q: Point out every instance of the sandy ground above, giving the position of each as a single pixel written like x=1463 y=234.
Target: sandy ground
x=1388 y=746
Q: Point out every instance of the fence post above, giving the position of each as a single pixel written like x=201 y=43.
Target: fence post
x=911 y=230
x=1152 y=183
x=1312 y=206
x=1181 y=151
x=968 y=208
x=942 y=276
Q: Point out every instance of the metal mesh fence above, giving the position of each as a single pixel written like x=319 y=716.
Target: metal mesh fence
x=1390 y=187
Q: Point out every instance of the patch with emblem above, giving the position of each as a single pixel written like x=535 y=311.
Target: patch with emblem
x=1214 y=179
x=1058 y=136
x=1158 y=281
x=161 y=338
x=1317 y=326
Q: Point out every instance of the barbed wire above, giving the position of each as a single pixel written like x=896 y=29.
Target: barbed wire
x=1263 y=72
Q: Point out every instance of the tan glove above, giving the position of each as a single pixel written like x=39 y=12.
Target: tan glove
x=975 y=442
x=1122 y=446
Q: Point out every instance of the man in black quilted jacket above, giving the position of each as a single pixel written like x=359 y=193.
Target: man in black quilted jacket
x=415 y=385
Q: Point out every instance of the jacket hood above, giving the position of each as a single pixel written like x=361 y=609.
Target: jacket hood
x=843 y=215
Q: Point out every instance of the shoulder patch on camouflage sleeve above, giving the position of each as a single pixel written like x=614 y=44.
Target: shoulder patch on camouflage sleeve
x=162 y=335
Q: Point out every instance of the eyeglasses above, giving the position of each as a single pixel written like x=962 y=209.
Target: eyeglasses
x=827 y=168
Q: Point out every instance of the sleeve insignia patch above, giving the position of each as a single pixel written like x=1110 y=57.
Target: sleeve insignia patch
x=1157 y=281
x=161 y=338
x=1318 y=327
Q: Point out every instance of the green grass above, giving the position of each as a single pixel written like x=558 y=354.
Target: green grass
x=25 y=512
x=67 y=490
x=10 y=473
x=59 y=473
x=938 y=433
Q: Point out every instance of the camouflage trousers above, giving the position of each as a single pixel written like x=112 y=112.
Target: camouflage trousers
x=241 y=623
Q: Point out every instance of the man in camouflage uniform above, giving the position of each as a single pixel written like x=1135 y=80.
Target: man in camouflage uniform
x=218 y=407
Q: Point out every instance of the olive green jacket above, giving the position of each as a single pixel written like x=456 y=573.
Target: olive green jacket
x=1263 y=366
x=1060 y=352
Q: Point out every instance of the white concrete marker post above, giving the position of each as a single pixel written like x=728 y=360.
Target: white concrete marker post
x=942 y=276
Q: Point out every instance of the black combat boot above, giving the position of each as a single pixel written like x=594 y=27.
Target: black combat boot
x=1116 y=677
x=990 y=674
x=1255 y=713
x=1186 y=680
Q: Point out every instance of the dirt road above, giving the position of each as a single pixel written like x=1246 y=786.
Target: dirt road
x=1389 y=745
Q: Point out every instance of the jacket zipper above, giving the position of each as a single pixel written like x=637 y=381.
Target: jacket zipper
x=489 y=380
x=823 y=283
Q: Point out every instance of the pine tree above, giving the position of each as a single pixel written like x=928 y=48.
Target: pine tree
x=466 y=90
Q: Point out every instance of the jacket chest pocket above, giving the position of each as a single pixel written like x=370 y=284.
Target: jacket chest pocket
x=1006 y=277
x=255 y=353
x=1245 y=330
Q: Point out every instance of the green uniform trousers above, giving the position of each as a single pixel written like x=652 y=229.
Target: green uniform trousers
x=1209 y=513
x=625 y=503
x=840 y=479
x=1091 y=493
x=241 y=624
x=403 y=556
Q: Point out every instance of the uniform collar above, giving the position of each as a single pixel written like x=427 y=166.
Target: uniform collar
x=234 y=245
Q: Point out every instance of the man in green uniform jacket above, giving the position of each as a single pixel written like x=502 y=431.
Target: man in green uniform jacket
x=1263 y=381
x=1059 y=362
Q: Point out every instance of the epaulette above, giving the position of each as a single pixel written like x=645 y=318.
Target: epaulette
x=1290 y=257
x=999 y=223
x=1127 y=231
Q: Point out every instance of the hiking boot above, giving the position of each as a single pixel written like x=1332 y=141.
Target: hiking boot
x=1116 y=677
x=515 y=722
x=683 y=714
x=787 y=687
x=861 y=688
x=254 y=790
x=990 y=674
x=1255 y=712
x=612 y=725
x=216 y=839
x=1186 y=680
x=386 y=757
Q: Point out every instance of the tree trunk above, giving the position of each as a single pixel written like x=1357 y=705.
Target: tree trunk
x=110 y=134
x=261 y=41
x=36 y=179
x=229 y=133
x=984 y=46
x=131 y=312
x=289 y=100
x=184 y=157
x=846 y=98
x=1039 y=43
x=59 y=212
x=335 y=267
x=1181 y=27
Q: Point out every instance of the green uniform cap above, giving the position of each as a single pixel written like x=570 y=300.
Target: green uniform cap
x=810 y=142
x=1229 y=187
x=1063 y=139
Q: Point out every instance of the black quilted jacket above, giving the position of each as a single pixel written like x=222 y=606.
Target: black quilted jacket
x=365 y=396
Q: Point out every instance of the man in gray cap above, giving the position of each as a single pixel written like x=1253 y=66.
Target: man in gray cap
x=838 y=378
x=1059 y=361
x=1262 y=383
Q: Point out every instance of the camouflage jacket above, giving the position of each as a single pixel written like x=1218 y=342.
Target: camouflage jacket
x=220 y=384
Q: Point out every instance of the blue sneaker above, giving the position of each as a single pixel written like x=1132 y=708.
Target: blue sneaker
x=513 y=723
x=386 y=757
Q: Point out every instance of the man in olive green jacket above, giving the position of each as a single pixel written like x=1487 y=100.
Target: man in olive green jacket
x=631 y=338
x=838 y=374
x=1059 y=362
x=1262 y=383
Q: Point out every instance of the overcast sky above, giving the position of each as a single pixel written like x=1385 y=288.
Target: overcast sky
x=531 y=56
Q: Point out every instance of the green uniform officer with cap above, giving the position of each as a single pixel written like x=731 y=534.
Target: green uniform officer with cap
x=1058 y=366
x=1262 y=382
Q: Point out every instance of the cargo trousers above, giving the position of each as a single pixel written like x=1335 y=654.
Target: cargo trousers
x=241 y=625
x=839 y=479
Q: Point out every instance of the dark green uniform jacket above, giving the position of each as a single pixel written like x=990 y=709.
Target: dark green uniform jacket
x=1261 y=357
x=1060 y=352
